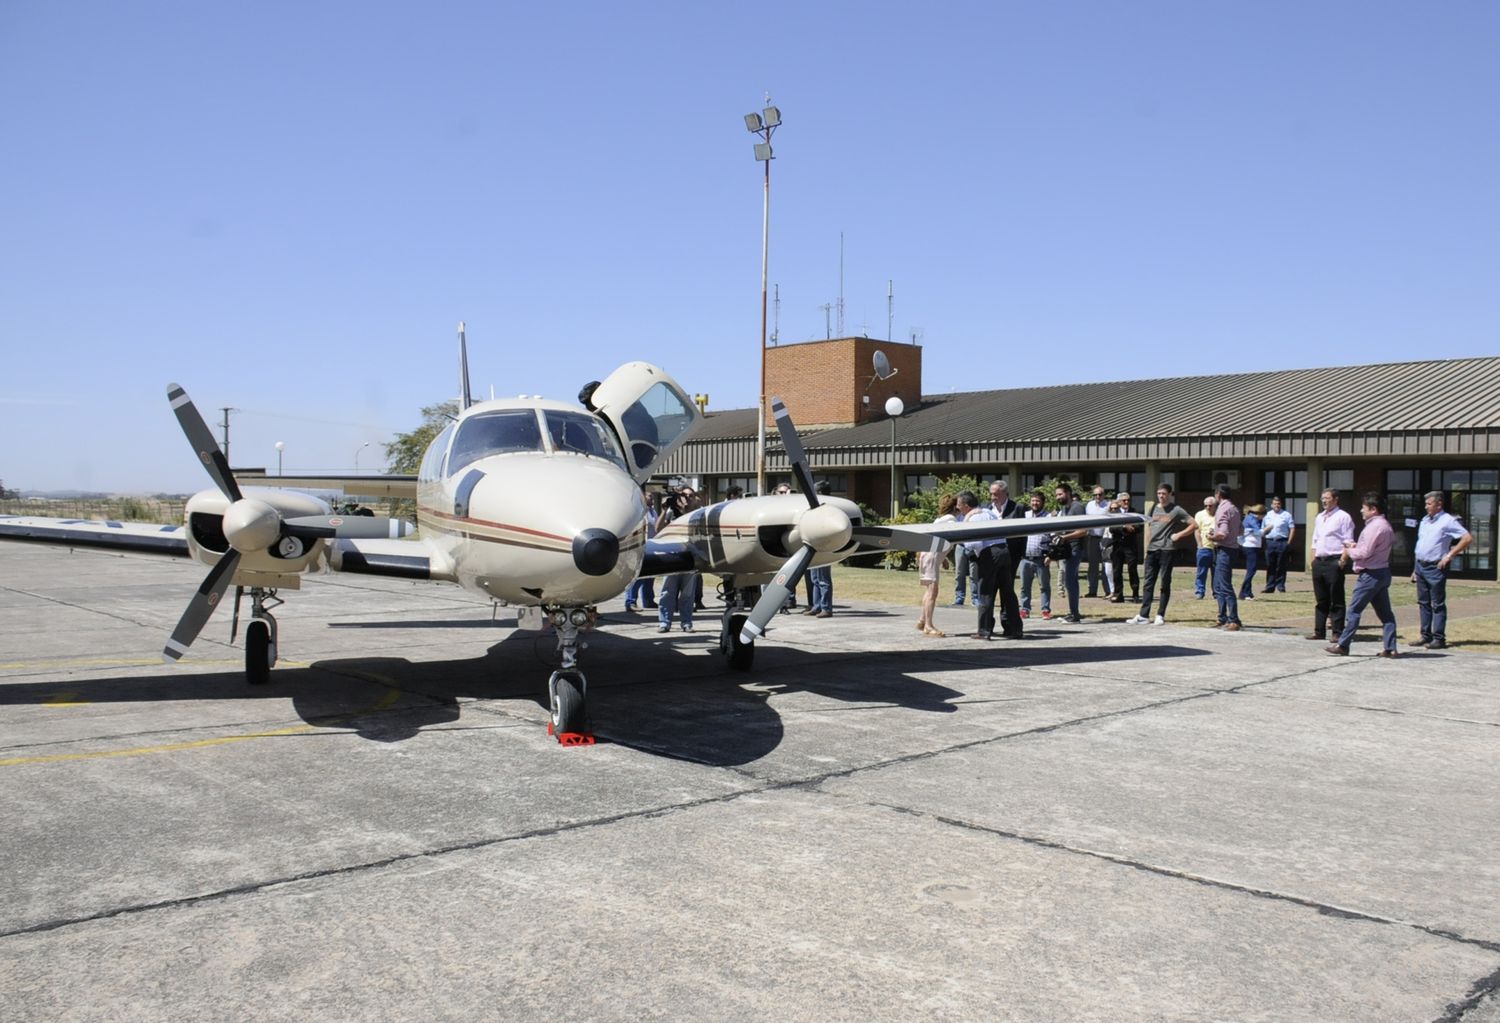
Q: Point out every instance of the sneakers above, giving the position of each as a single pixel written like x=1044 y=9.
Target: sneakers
x=688 y=627
x=1137 y=620
x=1072 y=619
x=1159 y=620
x=664 y=628
x=1047 y=616
x=1025 y=613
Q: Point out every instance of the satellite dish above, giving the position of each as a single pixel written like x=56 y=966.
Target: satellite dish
x=883 y=370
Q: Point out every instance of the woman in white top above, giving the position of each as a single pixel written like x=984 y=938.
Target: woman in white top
x=928 y=563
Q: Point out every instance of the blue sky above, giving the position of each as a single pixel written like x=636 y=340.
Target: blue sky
x=287 y=208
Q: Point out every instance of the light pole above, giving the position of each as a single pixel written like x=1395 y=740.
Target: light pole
x=763 y=124
x=280 y=447
x=356 y=455
x=894 y=407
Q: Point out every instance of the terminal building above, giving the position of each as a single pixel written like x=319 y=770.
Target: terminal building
x=1398 y=428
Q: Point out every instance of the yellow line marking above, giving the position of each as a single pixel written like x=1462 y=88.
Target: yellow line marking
x=391 y=695
x=172 y=748
x=64 y=700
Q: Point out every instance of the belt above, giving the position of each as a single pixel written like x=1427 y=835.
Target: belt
x=1328 y=557
x=1430 y=564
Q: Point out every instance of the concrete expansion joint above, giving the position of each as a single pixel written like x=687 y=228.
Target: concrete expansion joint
x=1322 y=908
x=1480 y=991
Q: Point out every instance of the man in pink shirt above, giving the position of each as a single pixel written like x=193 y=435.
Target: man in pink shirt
x=1372 y=562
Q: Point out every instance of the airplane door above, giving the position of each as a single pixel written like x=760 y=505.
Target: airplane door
x=650 y=414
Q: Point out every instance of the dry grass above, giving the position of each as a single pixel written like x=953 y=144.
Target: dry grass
x=1292 y=610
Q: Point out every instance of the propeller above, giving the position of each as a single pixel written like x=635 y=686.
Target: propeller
x=823 y=527
x=251 y=525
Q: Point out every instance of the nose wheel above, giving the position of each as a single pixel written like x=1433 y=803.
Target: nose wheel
x=567 y=689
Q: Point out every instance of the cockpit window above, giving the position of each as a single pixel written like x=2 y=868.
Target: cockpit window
x=494 y=433
x=654 y=423
x=581 y=434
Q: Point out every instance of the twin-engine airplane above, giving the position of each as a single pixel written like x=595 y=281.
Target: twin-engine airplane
x=531 y=502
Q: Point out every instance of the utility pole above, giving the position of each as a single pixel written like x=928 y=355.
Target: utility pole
x=225 y=425
x=763 y=124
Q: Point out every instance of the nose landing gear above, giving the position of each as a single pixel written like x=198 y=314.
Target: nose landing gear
x=567 y=689
x=737 y=603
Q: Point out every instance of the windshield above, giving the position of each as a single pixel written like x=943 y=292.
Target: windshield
x=582 y=434
x=494 y=433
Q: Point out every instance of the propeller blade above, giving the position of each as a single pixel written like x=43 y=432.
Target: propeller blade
x=201 y=607
x=203 y=442
x=794 y=453
x=775 y=594
x=346 y=527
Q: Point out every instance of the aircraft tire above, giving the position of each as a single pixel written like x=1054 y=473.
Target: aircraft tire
x=257 y=652
x=741 y=655
x=569 y=712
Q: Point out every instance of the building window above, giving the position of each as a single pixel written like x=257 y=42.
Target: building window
x=1132 y=483
x=1291 y=486
x=1341 y=480
x=723 y=483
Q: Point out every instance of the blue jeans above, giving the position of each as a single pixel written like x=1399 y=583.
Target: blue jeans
x=677 y=596
x=822 y=588
x=965 y=570
x=1205 y=568
x=1432 y=601
x=1070 y=578
x=1229 y=607
x=642 y=592
x=1276 y=565
x=1372 y=588
x=1247 y=588
x=1030 y=569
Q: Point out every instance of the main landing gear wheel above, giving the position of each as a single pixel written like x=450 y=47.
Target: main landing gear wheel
x=741 y=655
x=569 y=711
x=258 y=652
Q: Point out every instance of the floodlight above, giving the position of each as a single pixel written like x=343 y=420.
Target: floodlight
x=773 y=116
x=752 y=121
x=763 y=150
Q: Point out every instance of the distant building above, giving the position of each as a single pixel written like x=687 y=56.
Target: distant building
x=1399 y=428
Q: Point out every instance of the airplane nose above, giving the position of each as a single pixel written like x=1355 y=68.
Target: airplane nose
x=595 y=551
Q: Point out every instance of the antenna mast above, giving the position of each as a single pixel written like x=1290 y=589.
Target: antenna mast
x=225 y=425
x=841 y=284
x=827 y=323
x=890 y=308
x=776 y=323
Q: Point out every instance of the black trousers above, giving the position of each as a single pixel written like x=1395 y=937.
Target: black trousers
x=997 y=578
x=1158 y=566
x=1328 y=589
x=1125 y=554
x=1096 y=562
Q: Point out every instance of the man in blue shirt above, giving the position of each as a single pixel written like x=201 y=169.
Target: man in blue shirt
x=1440 y=539
x=1279 y=529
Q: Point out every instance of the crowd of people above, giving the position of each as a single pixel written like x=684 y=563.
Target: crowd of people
x=1225 y=538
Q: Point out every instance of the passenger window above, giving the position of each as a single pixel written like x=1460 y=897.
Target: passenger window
x=494 y=433
x=431 y=469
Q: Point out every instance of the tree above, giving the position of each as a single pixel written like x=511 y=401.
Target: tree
x=404 y=454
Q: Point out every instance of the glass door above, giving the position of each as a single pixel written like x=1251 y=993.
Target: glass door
x=1478 y=518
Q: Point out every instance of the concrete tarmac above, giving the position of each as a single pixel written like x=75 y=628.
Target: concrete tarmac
x=1098 y=822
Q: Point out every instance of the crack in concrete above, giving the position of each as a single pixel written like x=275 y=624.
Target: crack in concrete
x=1481 y=989
x=1322 y=908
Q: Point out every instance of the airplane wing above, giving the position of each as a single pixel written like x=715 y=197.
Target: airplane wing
x=918 y=536
x=401 y=559
x=145 y=537
x=393 y=486
x=668 y=557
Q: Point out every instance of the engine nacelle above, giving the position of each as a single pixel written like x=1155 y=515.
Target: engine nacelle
x=265 y=560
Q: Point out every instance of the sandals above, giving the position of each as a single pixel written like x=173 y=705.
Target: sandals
x=935 y=633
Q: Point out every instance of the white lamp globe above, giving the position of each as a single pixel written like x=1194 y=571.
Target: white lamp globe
x=894 y=406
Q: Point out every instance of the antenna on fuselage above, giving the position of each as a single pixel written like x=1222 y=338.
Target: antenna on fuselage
x=464 y=398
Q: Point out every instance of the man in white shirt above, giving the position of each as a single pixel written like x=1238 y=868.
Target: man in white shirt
x=1279 y=529
x=1035 y=561
x=1440 y=539
x=1098 y=506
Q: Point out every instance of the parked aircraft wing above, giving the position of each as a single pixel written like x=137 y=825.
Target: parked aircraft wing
x=147 y=537
x=398 y=558
x=667 y=557
x=393 y=486
x=918 y=536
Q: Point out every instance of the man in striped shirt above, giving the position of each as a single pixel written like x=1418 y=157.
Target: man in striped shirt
x=1372 y=561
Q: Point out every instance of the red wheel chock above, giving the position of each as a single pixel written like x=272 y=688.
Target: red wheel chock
x=571 y=738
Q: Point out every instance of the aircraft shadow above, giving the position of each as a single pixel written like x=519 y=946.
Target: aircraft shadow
x=659 y=694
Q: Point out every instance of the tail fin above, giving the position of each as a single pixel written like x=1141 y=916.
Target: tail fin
x=464 y=398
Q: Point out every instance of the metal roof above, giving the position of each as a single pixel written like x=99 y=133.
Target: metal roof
x=1403 y=411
